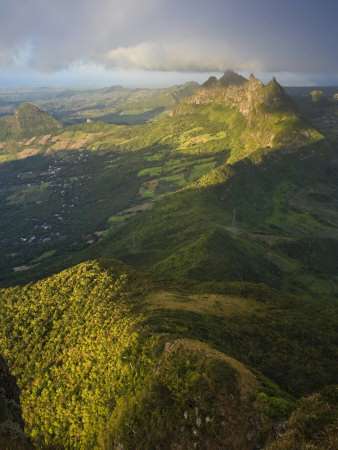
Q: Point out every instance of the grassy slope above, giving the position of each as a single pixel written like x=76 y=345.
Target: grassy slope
x=272 y=222
x=47 y=201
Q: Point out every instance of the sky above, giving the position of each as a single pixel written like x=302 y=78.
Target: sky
x=162 y=42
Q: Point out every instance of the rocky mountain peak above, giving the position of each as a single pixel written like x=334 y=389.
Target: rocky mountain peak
x=276 y=97
x=254 y=83
x=231 y=78
x=211 y=82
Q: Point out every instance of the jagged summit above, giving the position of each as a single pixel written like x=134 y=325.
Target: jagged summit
x=254 y=81
x=211 y=82
x=275 y=86
x=259 y=115
x=248 y=95
x=276 y=98
x=229 y=78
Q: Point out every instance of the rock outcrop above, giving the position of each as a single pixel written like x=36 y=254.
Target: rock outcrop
x=248 y=96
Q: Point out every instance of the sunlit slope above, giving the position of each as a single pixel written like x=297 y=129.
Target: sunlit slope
x=227 y=207
x=98 y=352
x=273 y=221
x=260 y=116
x=125 y=171
x=237 y=118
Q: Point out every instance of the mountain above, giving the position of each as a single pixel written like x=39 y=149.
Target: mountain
x=229 y=78
x=173 y=284
x=255 y=115
x=28 y=120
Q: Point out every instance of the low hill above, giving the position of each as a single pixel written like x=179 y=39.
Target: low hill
x=28 y=120
x=115 y=104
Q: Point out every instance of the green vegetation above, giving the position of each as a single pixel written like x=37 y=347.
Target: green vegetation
x=28 y=121
x=152 y=171
x=111 y=105
x=198 y=397
x=85 y=317
x=313 y=425
x=122 y=361
x=171 y=284
x=81 y=322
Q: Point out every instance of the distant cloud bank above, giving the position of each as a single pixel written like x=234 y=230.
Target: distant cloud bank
x=185 y=57
x=49 y=36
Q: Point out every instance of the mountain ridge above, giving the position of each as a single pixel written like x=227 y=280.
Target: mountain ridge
x=266 y=116
x=184 y=274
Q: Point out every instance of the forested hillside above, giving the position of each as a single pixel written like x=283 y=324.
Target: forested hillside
x=108 y=357
x=172 y=284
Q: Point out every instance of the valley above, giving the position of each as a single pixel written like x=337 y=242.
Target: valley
x=170 y=282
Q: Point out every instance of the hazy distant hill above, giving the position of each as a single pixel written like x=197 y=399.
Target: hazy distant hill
x=28 y=120
x=114 y=104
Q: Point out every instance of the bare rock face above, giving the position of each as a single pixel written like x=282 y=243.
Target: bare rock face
x=12 y=436
x=248 y=96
